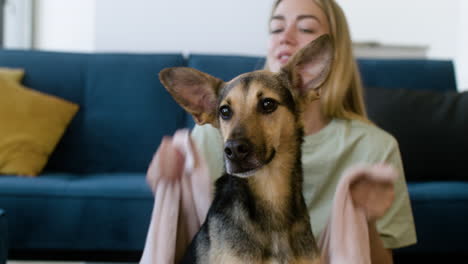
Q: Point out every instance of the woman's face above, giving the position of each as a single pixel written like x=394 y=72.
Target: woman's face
x=294 y=24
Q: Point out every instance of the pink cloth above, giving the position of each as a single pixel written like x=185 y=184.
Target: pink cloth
x=346 y=236
x=179 y=177
x=180 y=203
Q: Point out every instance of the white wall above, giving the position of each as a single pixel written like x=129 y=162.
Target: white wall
x=65 y=25
x=208 y=26
x=440 y=25
x=461 y=59
x=240 y=26
x=416 y=22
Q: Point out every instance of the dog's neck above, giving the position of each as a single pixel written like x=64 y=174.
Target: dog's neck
x=279 y=184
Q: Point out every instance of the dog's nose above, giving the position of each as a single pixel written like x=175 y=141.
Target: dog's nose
x=237 y=149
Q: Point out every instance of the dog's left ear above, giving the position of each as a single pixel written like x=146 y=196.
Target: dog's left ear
x=309 y=67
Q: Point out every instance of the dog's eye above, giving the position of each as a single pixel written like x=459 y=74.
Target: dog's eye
x=268 y=105
x=225 y=112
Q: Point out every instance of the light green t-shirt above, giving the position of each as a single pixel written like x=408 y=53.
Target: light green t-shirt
x=325 y=156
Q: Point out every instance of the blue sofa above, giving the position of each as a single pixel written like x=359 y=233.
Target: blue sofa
x=92 y=202
x=3 y=238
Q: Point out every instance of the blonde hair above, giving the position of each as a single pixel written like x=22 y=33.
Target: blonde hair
x=342 y=93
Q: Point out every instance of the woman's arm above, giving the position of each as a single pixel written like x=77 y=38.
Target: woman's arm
x=379 y=254
x=374 y=193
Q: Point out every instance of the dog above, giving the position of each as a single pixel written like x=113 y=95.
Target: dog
x=258 y=214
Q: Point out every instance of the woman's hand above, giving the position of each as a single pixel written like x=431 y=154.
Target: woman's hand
x=167 y=163
x=373 y=191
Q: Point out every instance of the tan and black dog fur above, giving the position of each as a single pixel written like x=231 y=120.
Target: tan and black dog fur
x=258 y=214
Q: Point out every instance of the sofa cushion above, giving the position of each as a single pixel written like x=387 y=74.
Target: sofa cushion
x=414 y=74
x=3 y=237
x=75 y=212
x=430 y=127
x=440 y=210
x=127 y=111
x=225 y=67
x=62 y=75
x=437 y=75
x=32 y=123
x=124 y=110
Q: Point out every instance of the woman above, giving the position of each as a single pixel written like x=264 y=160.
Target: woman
x=338 y=133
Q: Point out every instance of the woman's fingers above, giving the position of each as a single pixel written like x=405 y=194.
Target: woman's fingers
x=373 y=191
x=167 y=163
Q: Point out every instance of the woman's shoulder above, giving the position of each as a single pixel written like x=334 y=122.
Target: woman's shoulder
x=357 y=142
x=209 y=143
x=366 y=132
x=206 y=135
x=205 y=130
x=372 y=130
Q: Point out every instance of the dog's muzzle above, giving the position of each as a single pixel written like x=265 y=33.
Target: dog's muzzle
x=242 y=159
x=237 y=150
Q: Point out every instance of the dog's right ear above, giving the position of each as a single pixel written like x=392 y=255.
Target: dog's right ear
x=195 y=91
x=310 y=66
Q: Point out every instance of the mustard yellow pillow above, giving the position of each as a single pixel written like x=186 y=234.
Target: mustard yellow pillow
x=12 y=74
x=31 y=125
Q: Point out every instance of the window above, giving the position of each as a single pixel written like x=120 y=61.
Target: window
x=17 y=24
x=2 y=2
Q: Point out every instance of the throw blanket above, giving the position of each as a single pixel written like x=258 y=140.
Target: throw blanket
x=180 y=180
